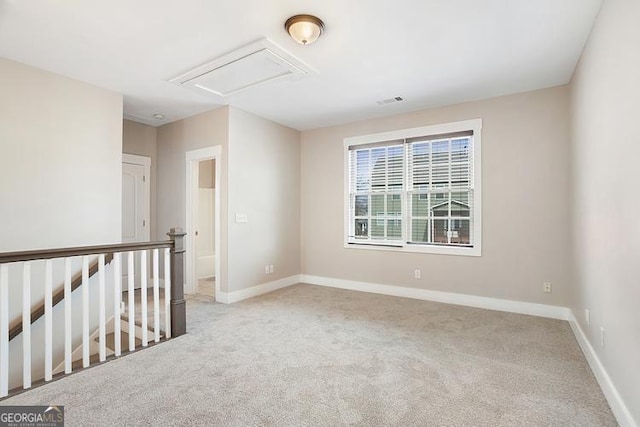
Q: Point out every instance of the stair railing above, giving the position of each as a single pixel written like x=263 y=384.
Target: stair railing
x=173 y=307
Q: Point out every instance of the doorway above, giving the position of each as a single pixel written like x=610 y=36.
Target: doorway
x=205 y=254
x=203 y=224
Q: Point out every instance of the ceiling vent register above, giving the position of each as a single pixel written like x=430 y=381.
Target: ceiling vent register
x=251 y=65
x=390 y=100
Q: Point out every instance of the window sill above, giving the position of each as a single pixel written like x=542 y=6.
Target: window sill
x=437 y=250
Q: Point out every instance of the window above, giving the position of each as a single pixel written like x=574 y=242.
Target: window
x=415 y=190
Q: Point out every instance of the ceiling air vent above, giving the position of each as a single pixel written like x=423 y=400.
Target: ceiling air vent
x=251 y=65
x=390 y=100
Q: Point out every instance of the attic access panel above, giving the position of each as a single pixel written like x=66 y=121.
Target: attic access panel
x=253 y=69
x=244 y=68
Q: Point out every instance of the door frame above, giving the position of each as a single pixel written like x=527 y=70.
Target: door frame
x=193 y=159
x=144 y=161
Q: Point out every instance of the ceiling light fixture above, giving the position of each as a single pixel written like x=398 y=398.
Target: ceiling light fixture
x=158 y=116
x=304 y=29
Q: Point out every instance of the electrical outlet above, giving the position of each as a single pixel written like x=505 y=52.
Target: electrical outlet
x=587 y=317
x=266 y=269
x=270 y=268
x=122 y=307
x=546 y=287
x=602 y=336
x=417 y=274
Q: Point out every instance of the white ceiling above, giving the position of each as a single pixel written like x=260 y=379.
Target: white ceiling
x=431 y=52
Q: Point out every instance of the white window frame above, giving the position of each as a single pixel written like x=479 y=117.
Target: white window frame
x=474 y=125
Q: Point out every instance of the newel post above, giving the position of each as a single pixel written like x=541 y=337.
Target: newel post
x=178 y=304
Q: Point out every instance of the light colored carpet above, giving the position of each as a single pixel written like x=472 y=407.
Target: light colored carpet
x=308 y=355
x=207 y=286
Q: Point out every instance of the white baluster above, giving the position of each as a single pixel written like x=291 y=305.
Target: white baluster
x=4 y=330
x=117 y=297
x=102 y=327
x=143 y=297
x=26 y=325
x=67 y=316
x=156 y=298
x=85 y=312
x=48 y=321
x=167 y=291
x=132 y=311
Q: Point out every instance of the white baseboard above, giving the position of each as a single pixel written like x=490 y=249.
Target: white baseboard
x=542 y=310
x=254 y=291
x=618 y=407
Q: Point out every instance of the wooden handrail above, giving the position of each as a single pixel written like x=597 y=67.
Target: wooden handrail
x=80 y=250
x=58 y=296
x=174 y=303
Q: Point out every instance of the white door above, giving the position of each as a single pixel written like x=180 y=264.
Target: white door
x=134 y=222
x=136 y=203
x=136 y=199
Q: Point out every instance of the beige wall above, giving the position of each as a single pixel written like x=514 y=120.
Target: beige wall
x=174 y=140
x=260 y=176
x=207 y=171
x=140 y=139
x=264 y=183
x=525 y=159
x=606 y=148
x=60 y=182
x=60 y=160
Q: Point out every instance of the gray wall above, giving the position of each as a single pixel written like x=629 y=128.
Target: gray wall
x=525 y=176
x=606 y=234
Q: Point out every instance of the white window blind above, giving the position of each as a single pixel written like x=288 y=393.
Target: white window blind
x=416 y=191
x=440 y=190
x=376 y=192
